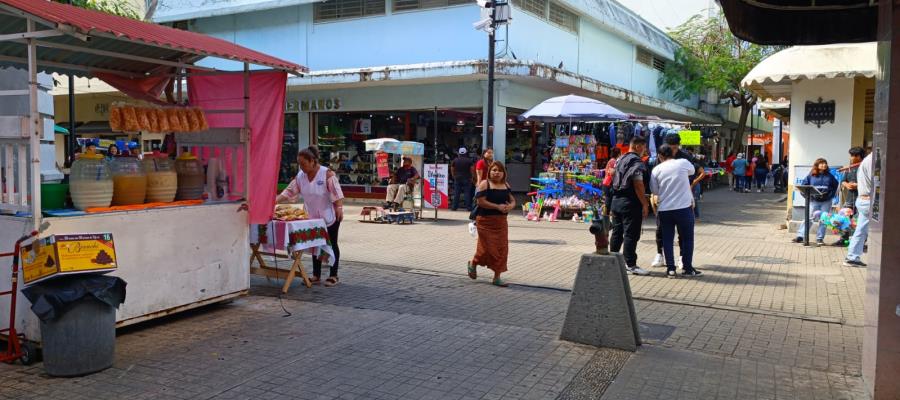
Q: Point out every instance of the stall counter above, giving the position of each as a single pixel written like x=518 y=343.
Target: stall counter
x=173 y=259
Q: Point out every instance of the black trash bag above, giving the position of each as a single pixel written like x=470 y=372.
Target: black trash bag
x=50 y=299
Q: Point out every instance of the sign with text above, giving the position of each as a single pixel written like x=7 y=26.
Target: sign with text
x=381 y=163
x=689 y=138
x=434 y=189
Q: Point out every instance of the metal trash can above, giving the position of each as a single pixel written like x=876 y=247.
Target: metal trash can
x=78 y=322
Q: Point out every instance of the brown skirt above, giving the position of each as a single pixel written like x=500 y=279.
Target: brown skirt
x=493 y=242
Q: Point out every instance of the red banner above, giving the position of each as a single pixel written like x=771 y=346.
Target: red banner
x=381 y=161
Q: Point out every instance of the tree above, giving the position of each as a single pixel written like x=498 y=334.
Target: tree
x=711 y=57
x=123 y=8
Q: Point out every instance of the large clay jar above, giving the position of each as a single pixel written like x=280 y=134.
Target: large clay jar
x=129 y=181
x=90 y=182
x=191 y=177
x=162 y=180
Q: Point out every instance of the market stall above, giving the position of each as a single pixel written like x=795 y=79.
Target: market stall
x=387 y=147
x=570 y=185
x=174 y=255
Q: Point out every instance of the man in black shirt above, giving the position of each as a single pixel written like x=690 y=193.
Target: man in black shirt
x=462 y=170
x=628 y=204
x=848 y=184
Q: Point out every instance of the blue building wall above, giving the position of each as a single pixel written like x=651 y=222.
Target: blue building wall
x=433 y=35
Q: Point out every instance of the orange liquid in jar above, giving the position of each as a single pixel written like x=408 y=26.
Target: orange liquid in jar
x=129 y=189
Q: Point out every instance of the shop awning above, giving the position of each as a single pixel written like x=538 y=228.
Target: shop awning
x=74 y=40
x=806 y=22
x=772 y=78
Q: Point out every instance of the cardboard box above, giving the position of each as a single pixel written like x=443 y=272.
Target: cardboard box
x=67 y=254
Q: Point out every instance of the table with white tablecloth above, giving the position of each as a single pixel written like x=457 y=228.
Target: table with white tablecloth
x=294 y=238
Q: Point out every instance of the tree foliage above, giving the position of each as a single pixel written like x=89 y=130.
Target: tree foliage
x=123 y=8
x=711 y=57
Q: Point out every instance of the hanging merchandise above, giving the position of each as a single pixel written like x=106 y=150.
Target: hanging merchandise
x=130 y=118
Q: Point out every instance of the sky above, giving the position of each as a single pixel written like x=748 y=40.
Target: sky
x=667 y=14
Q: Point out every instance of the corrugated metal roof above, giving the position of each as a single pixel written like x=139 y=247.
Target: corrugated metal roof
x=115 y=34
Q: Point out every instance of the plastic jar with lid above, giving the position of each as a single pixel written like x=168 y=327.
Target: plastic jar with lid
x=129 y=181
x=90 y=182
x=191 y=177
x=162 y=180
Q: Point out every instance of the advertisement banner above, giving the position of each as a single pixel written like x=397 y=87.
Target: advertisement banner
x=381 y=162
x=434 y=186
x=689 y=138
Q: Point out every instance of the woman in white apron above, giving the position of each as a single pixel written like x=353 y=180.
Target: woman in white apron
x=323 y=199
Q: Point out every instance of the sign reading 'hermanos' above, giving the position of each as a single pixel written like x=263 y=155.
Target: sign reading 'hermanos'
x=326 y=104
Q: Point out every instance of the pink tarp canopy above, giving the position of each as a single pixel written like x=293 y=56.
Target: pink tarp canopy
x=267 y=92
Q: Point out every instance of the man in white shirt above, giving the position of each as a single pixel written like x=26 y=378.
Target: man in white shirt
x=864 y=188
x=669 y=182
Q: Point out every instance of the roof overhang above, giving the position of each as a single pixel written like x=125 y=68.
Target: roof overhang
x=771 y=79
x=73 y=40
x=526 y=72
x=802 y=22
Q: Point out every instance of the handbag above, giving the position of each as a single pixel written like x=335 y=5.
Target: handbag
x=474 y=213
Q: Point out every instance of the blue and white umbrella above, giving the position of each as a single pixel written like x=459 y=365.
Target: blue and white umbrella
x=573 y=108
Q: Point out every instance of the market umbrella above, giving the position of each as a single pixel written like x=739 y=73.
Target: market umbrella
x=573 y=108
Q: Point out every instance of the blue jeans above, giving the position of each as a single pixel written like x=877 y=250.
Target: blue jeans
x=696 y=190
x=823 y=206
x=461 y=186
x=682 y=219
x=858 y=241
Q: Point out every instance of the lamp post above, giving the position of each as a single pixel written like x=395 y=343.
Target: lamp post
x=489 y=23
x=70 y=143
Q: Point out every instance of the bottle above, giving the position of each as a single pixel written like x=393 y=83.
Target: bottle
x=90 y=182
x=162 y=180
x=190 y=177
x=129 y=181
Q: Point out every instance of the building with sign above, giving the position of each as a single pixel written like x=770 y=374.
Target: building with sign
x=403 y=68
x=827 y=94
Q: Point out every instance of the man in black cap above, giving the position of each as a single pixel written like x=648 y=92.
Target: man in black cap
x=627 y=202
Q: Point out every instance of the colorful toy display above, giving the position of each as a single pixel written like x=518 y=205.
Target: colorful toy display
x=840 y=222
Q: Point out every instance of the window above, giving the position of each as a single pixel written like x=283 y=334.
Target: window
x=563 y=18
x=536 y=7
x=407 y=5
x=333 y=10
x=651 y=60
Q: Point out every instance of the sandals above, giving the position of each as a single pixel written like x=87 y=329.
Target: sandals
x=332 y=281
x=499 y=282
x=473 y=274
x=315 y=280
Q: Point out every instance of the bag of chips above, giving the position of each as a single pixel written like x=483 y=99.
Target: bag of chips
x=130 y=119
x=162 y=120
x=115 y=118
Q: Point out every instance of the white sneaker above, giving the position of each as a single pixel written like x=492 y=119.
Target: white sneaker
x=658 y=261
x=637 y=270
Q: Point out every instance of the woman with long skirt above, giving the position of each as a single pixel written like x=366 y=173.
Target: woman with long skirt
x=495 y=201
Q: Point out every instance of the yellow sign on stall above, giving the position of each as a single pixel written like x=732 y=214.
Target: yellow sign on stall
x=67 y=254
x=689 y=138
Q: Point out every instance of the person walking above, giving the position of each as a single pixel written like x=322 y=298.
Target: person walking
x=732 y=182
x=821 y=178
x=462 y=171
x=323 y=199
x=849 y=184
x=669 y=182
x=760 y=173
x=495 y=201
x=864 y=187
x=627 y=200
x=481 y=167
x=739 y=170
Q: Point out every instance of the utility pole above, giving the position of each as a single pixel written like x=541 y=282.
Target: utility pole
x=488 y=126
x=71 y=143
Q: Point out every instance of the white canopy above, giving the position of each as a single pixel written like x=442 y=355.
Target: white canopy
x=771 y=78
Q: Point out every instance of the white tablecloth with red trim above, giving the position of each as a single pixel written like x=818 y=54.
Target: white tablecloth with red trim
x=309 y=235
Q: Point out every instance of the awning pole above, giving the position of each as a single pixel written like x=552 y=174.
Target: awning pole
x=247 y=132
x=35 y=137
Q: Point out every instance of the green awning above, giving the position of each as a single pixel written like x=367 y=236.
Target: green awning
x=61 y=130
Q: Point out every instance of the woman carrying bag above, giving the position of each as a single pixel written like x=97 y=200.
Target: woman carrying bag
x=495 y=201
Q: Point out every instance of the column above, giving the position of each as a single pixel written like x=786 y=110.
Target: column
x=881 y=333
x=499 y=134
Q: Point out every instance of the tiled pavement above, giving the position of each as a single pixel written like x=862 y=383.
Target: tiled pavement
x=417 y=328
x=749 y=263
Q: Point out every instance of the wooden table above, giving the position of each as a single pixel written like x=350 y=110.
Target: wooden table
x=289 y=239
